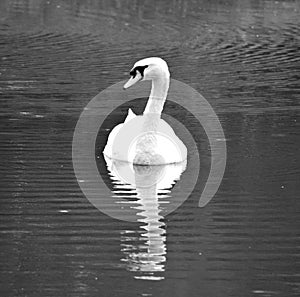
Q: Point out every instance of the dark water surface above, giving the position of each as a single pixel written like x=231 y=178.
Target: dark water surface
x=243 y=56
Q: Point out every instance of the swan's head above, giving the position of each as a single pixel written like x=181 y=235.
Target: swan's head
x=148 y=69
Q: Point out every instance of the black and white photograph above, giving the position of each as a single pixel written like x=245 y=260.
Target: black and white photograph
x=149 y=148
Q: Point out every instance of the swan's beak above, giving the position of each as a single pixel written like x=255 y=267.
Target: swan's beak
x=133 y=80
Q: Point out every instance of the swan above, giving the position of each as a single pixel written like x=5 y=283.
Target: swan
x=147 y=139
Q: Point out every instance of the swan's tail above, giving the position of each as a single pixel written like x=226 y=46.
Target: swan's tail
x=130 y=115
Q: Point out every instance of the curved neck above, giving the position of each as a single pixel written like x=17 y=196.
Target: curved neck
x=158 y=95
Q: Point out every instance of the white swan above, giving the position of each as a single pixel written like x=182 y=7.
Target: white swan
x=147 y=139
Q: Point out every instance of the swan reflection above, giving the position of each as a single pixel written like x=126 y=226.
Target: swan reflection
x=146 y=189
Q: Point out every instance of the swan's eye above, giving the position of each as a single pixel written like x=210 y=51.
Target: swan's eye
x=140 y=69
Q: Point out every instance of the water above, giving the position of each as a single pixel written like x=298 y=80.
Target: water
x=242 y=56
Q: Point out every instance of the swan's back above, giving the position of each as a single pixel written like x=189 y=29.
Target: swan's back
x=123 y=140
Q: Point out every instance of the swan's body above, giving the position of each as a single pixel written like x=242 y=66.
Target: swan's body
x=147 y=139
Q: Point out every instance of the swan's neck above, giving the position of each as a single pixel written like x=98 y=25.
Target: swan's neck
x=158 y=95
x=147 y=142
